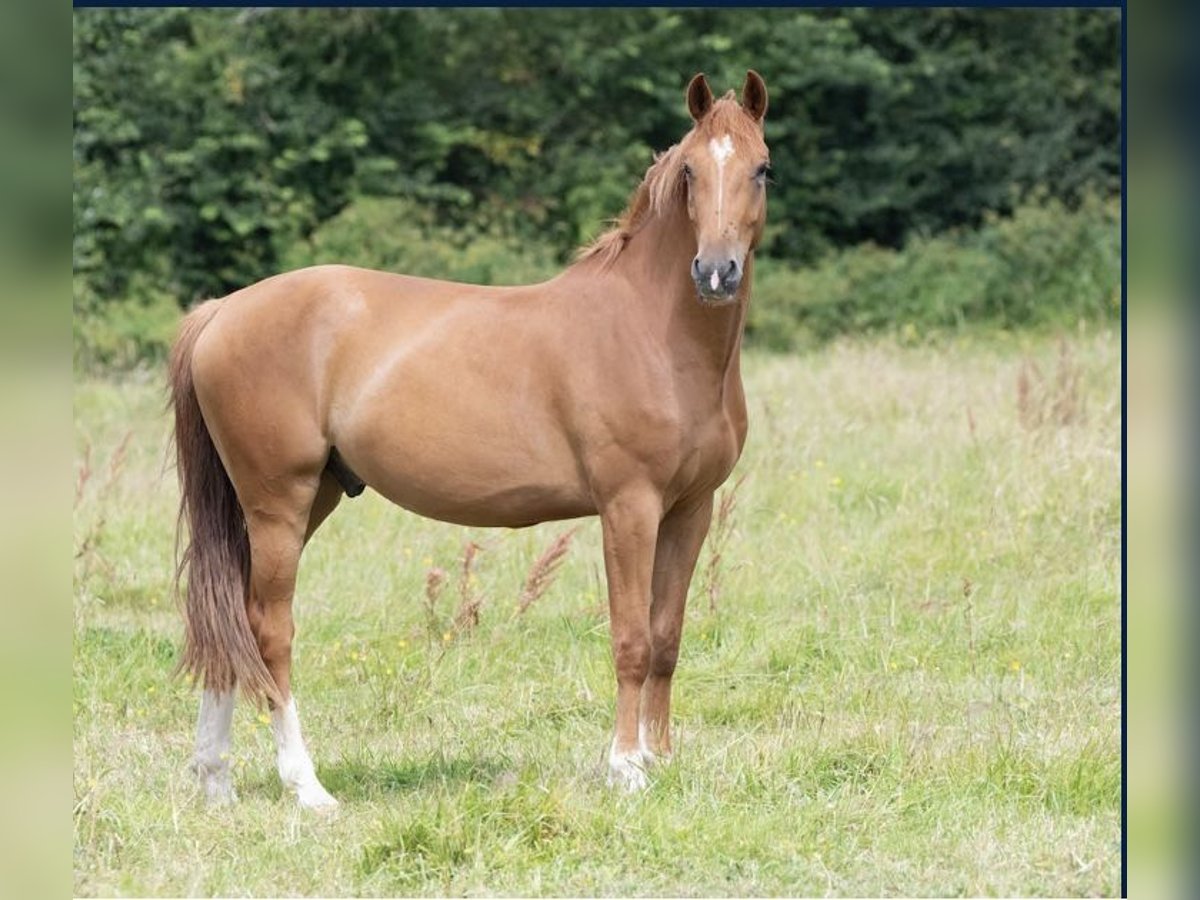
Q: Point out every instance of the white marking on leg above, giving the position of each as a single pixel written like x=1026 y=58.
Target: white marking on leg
x=295 y=765
x=721 y=151
x=627 y=770
x=649 y=757
x=211 y=760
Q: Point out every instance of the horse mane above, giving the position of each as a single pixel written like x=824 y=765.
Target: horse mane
x=659 y=185
x=663 y=181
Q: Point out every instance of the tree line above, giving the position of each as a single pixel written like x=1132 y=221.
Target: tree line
x=208 y=144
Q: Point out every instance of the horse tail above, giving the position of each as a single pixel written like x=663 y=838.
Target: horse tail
x=219 y=646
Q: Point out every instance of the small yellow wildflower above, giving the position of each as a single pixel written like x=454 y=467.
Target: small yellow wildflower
x=446 y=637
x=402 y=643
x=264 y=719
x=1015 y=666
x=427 y=561
x=836 y=481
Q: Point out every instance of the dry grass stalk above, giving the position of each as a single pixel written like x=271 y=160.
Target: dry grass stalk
x=968 y=589
x=1068 y=398
x=470 y=600
x=85 y=473
x=1042 y=401
x=718 y=538
x=116 y=463
x=435 y=580
x=544 y=570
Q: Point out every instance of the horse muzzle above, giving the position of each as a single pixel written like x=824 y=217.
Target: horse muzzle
x=717 y=281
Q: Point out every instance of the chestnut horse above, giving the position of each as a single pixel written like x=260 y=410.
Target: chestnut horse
x=614 y=389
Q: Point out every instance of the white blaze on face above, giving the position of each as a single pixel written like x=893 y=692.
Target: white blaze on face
x=721 y=151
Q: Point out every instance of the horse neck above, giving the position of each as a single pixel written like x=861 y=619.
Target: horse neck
x=657 y=262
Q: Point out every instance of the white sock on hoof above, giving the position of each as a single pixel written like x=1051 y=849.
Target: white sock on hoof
x=295 y=765
x=211 y=760
x=649 y=757
x=627 y=771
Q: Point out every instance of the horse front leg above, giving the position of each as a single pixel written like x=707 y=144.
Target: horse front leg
x=630 y=525
x=680 y=537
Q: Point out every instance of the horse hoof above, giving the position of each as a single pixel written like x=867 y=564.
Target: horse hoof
x=317 y=799
x=217 y=795
x=217 y=785
x=627 y=772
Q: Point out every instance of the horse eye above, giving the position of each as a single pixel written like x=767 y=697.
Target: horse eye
x=687 y=171
x=760 y=173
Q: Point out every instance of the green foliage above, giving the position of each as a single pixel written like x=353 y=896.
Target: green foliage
x=399 y=236
x=1044 y=264
x=198 y=158
x=207 y=142
x=131 y=332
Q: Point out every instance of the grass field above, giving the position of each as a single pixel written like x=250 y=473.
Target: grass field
x=900 y=677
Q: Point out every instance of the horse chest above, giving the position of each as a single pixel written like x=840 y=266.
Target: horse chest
x=709 y=449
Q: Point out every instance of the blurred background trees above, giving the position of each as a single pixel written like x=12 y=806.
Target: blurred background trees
x=932 y=167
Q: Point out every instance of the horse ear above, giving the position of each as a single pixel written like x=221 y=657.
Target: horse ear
x=754 y=95
x=699 y=97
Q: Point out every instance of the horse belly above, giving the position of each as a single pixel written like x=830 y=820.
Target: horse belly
x=460 y=464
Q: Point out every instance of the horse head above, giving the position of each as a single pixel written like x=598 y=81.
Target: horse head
x=724 y=164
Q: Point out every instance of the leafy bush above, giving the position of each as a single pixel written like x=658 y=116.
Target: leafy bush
x=122 y=334
x=398 y=235
x=1044 y=264
x=207 y=142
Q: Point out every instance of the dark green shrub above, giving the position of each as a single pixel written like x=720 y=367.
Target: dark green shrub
x=1045 y=264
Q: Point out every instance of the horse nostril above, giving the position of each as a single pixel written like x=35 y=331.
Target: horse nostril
x=696 y=268
x=732 y=270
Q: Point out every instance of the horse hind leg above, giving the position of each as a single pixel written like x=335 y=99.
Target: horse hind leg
x=278 y=530
x=329 y=493
x=211 y=761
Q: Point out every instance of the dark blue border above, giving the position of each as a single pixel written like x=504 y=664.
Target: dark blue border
x=981 y=4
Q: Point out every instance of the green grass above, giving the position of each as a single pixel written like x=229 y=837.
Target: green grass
x=909 y=684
